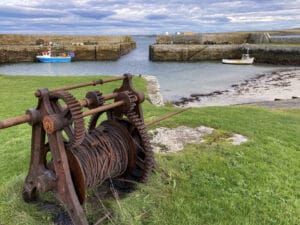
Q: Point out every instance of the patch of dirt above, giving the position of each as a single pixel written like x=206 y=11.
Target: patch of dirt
x=60 y=216
x=116 y=190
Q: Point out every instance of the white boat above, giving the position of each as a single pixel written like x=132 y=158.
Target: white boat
x=245 y=60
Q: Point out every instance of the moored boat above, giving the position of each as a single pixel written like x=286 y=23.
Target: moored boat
x=245 y=60
x=47 y=56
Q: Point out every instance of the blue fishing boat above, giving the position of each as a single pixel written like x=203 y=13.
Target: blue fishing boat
x=47 y=57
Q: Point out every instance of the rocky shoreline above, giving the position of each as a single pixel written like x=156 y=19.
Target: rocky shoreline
x=277 y=86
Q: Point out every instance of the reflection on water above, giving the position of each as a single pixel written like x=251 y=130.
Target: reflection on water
x=176 y=79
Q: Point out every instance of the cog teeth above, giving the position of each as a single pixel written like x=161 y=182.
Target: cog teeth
x=149 y=162
x=95 y=98
x=77 y=117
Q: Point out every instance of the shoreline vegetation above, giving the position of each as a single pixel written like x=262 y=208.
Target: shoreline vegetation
x=256 y=182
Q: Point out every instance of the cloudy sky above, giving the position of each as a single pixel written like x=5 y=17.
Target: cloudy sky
x=146 y=17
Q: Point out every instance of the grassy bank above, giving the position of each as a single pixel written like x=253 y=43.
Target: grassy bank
x=210 y=183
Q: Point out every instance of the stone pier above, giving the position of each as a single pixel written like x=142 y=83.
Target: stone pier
x=24 y=48
x=217 y=46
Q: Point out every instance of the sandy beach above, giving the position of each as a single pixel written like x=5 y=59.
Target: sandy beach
x=275 y=87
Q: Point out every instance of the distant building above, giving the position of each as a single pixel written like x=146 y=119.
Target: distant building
x=77 y=43
x=188 y=33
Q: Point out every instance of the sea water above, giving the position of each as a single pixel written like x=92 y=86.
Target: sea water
x=177 y=79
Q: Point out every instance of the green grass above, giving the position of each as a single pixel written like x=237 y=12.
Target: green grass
x=211 y=183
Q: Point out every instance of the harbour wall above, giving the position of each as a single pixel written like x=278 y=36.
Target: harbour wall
x=284 y=37
x=267 y=38
x=276 y=54
x=285 y=55
x=192 y=52
x=24 y=48
x=205 y=38
x=264 y=46
x=36 y=39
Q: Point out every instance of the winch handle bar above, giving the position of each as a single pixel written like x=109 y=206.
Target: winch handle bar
x=84 y=103
x=26 y=118
x=14 y=121
x=156 y=120
x=91 y=83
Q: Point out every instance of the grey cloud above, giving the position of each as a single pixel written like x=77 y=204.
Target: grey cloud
x=18 y=12
x=94 y=14
x=156 y=17
x=108 y=3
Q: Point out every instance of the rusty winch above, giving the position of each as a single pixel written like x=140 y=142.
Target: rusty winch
x=67 y=158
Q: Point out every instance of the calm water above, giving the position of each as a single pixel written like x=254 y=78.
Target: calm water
x=176 y=79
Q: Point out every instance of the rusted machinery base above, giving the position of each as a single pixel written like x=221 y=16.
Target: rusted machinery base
x=67 y=157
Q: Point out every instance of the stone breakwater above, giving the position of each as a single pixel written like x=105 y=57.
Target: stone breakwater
x=191 y=52
x=286 y=36
x=24 y=48
x=271 y=54
x=216 y=46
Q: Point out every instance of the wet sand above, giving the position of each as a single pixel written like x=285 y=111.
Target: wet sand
x=277 y=87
